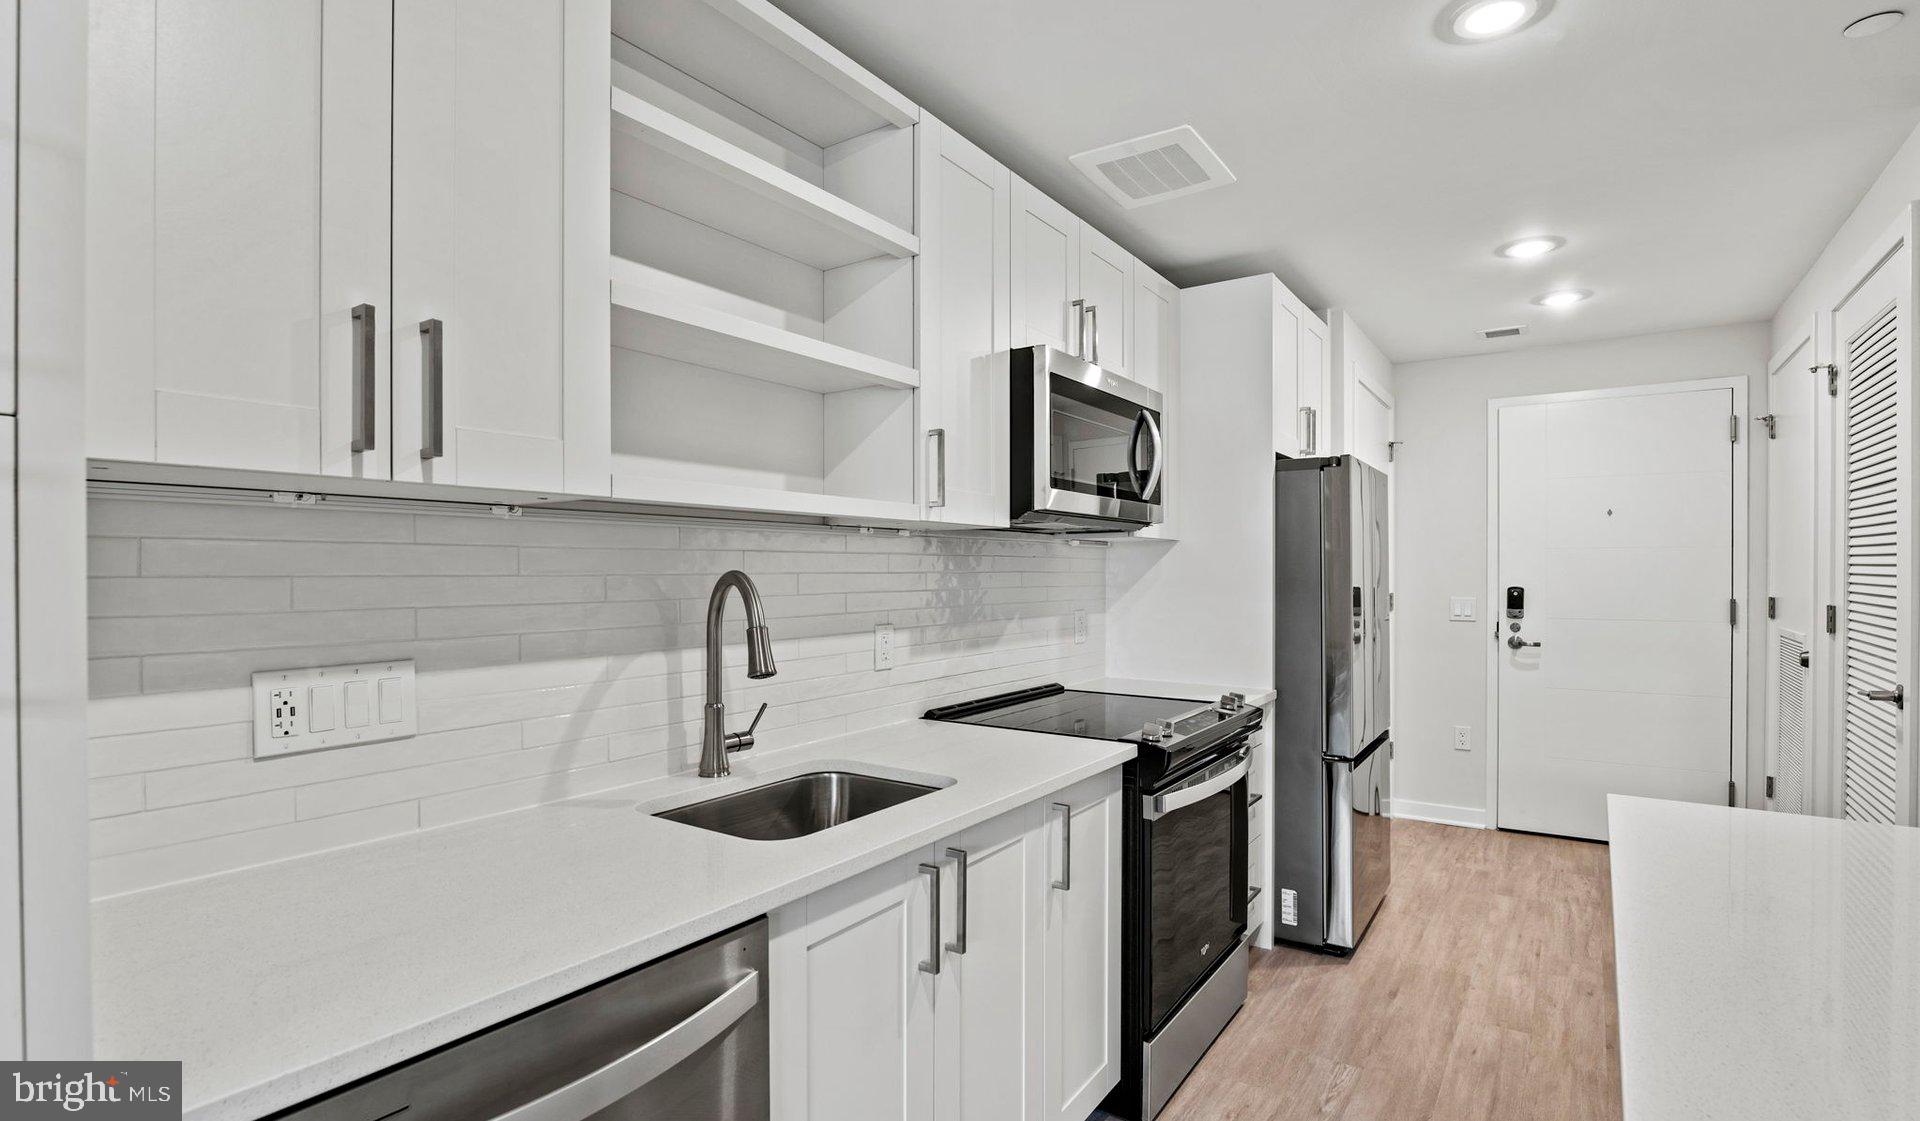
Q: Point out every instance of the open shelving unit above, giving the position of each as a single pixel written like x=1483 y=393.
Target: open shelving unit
x=761 y=267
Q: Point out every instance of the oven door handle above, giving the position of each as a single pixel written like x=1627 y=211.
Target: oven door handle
x=1200 y=787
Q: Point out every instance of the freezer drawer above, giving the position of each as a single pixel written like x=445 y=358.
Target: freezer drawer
x=1359 y=842
x=683 y=1037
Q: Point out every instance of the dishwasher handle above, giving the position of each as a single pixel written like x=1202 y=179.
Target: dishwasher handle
x=591 y=1093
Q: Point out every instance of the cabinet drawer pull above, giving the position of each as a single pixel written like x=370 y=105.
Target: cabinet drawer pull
x=959 y=943
x=363 y=339
x=932 y=964
x=1065 y=882
x=432 y=404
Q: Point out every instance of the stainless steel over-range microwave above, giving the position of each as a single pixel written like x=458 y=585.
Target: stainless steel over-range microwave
x=1089 y=447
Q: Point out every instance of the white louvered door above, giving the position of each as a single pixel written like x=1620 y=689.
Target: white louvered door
x=1789 y=725
x=1873 y=350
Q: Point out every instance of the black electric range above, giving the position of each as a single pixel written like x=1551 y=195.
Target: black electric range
x=1183 y=894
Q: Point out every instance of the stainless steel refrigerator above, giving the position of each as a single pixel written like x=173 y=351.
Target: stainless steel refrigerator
x=1331 y=738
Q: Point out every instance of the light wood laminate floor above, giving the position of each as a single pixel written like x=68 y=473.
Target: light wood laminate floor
x=1484 y=992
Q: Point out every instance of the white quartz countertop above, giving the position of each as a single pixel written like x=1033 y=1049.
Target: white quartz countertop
x=1181 y=689
x=1769 y=964
x=277 y=983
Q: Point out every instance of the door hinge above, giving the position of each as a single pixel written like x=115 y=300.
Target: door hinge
x=1772 y=423
x=1733 y=428
x=1392 y=446
x=1769 y=788
x=1833 y=377
x=1733 y=612
x=1773 y=607
x=1732 y=793
x=1833 y=619
x=1389 y=603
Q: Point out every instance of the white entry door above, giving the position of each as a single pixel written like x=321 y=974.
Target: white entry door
x=1615 y=522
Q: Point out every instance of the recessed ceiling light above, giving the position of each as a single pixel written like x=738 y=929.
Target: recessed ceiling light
x=1565 y=297
x=1527 y=248
x=1476 y=21
x=1873 y=24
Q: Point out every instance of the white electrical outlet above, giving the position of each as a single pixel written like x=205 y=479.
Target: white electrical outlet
x=1460 y=609
x=1462 y=738
x=1079 y=625
x=298 y=710
x=882 y=646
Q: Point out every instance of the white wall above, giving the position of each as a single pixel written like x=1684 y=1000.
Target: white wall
x=1440 y=532
x=1897 y=186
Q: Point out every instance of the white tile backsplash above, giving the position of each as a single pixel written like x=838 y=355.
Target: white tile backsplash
x=558 y=655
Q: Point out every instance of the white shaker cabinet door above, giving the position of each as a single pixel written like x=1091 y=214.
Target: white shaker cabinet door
x=238 y=251
x=1290 y=325
x=1106 y=286
x=965 y=268
x=852 y=1010
x=1316 y=387
x=1046 y=272
x=1082 y=950
x=477 y=121
x=989 y=1063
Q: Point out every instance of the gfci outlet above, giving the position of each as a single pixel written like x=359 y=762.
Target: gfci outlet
x=1462 y=738
x=298 y=710
x=1079 y=625
x=883 y=646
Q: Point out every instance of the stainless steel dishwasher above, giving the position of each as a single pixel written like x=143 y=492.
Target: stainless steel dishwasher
x=680 y=1039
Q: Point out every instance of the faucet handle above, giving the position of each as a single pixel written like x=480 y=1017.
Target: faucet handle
x=741 y=741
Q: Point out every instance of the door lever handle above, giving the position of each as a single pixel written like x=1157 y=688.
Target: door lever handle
x=1896 y=696
x=1515 y=642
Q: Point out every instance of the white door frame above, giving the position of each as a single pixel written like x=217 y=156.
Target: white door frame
x=1737 y=758
x=1817 y=767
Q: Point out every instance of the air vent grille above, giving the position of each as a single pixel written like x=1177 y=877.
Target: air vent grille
x=1502 y=332
x=1153 y=168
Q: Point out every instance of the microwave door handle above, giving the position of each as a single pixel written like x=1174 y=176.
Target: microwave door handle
x=589 y=1094
x=1133 y=455
x=1159 y=456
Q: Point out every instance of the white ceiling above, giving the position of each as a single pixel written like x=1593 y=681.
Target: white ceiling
x=1696 y=154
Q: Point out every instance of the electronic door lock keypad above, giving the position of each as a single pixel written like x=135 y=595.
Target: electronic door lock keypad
x=1516 y=602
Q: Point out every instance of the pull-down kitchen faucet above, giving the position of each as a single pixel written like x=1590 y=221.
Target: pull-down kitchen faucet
x=716 y=741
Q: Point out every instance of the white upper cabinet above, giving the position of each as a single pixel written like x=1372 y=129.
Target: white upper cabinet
x=1300 y=390
x=237 y=259
x=1106 y=296
x=1154 y=355
x=1072 y=285
x=1316 y=386
x=965 y=267
x=1046 y=272
x=477 y=123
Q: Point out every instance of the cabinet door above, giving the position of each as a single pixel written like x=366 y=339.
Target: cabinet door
x=852 y=1011
x=1106 y=284
x=1316 y=387
x=1289 y=423
x=1046 y=272
x=238 y=192
x=1155 y=354
x=477 y=123
x=989 y=1003
x=965 y=267
x=1082 y=953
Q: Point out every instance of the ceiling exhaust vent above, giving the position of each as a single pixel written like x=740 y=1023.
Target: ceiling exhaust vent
x=1153 y=168
x=1502 y=332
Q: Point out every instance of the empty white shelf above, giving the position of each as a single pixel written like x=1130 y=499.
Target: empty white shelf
x=686 y=169
x=651 y=323
x=631 y=484
x=763 y=58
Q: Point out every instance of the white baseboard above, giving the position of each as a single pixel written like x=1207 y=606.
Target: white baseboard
x=1467 y=817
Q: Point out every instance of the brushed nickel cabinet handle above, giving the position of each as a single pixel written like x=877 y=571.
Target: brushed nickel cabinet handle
x=1065 y=882
x=932 y=964
x=432 y=401
x=959 y=943
x=1080 y=328
x=363 y=372
x=937 y=443
x=1093 y=319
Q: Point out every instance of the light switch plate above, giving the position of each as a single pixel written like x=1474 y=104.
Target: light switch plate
x=1460 y=609
x=297 y=710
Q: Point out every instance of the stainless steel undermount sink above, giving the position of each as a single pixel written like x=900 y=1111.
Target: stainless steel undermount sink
x=797 y=806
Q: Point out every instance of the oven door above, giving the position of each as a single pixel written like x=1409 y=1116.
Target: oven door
x=1095 y=443
x=1196 y=879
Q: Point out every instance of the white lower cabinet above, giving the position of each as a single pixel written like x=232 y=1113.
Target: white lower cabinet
x=975 y=980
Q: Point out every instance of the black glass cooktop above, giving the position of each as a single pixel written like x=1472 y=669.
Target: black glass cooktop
x=1076 y=712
